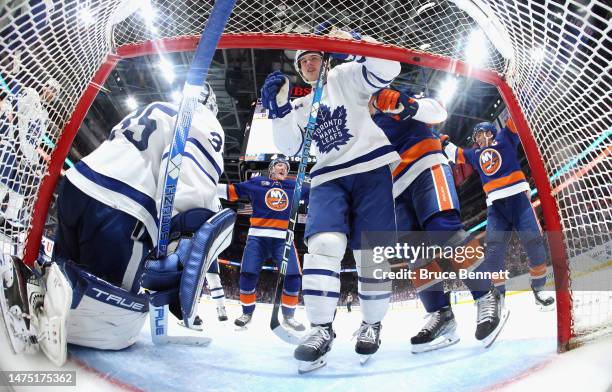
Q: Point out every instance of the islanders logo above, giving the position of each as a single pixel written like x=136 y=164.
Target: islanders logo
x=490 y=161
x=277 y=199
x=331 y=132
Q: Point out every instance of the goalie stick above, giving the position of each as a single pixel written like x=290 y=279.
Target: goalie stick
x=275 y=325
x=196 y=77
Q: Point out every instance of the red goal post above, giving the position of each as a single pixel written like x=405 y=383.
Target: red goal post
x=556 y=96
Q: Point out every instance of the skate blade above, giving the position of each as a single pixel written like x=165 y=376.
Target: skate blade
x=198 y=328
x=307 y=367
x=364 y=358
x=241 y=329
x=545 y=309
x=489 y=340
x=436 y=344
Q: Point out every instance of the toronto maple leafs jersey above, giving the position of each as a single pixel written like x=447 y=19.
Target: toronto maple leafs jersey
x=415 y=142
x=271 y=201
x=127 y=171
x=346 y=140
x=497 y=165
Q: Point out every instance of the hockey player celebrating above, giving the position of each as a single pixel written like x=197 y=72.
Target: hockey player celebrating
x=351 y=189
x=107 y=223
x=508 y=201
x=270 y=197
x=426 y=200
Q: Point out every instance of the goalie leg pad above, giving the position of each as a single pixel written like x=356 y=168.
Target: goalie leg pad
x=211 y=239
x=102 y=315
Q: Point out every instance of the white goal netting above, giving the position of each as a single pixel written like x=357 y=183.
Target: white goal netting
x=554 y=56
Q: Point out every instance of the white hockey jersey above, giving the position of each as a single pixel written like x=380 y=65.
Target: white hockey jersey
x=126 y=172
x=346 y=140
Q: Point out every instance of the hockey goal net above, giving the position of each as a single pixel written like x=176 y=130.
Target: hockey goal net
x=549 y=59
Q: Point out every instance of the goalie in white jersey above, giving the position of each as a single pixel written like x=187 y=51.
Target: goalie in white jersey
x=107 y=217
x=351 y=189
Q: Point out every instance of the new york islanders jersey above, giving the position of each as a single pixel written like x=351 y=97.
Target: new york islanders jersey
x=497 y=165
x=415 y=142
x=346 y=140
x=271 y=201
x=126 y=172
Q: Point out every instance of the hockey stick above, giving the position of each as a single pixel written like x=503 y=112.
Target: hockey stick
x=196 y=77
x=275 y=324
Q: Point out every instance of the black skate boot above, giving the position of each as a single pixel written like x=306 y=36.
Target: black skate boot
x=221 y=313
x=491 y=316
x=439 y=332
x=368 y=340
x=197 y=324
x=243 y=320
x=544 y=302
x=312 y=351
x=291 y=323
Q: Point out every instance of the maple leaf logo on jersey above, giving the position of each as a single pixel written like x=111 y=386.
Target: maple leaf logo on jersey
x=331 y=132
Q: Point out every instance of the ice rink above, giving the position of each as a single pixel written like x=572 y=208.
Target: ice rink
x=523 y=358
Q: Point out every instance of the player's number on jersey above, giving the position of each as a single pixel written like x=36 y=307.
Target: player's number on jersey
x=139 y=132
x=216 y=141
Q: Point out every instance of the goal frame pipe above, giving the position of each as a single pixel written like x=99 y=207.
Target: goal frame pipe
x=294 y=41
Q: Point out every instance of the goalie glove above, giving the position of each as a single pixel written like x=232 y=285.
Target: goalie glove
x=275 y=95
x=395 y=104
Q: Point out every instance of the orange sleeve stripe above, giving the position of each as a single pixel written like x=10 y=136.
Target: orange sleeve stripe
x=272 y=223
x=511 y=126
x=231 y=193
x=248 y=299
x=538 y=271
x=511 y=178
x=442 y=192
x=415 y=152
x=289 y=300
x=460 y=157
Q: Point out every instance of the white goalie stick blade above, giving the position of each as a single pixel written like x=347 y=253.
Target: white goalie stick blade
x=158 y=317
x=52 y=335
x=436 y=344
x=364 y=358
x=489 y=340
x=307 y=367
x=285 y=335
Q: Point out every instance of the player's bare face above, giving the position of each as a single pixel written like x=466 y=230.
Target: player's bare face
x=483 y=139
x=310 y=65
x=279 y=172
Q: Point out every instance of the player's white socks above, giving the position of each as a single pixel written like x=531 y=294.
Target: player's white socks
x=213 y=281
x=321 y=276
x=374 y=294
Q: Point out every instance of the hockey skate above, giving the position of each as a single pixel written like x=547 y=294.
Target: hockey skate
x=544 y=303
x=291 y=323
x=439 y=332
x=368 y=340
x=491 y=317
x=35 y=308
x=242 y=321
x=311 y=354
x=221 y=313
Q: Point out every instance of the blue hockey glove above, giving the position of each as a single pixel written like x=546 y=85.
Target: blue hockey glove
x=275 y=95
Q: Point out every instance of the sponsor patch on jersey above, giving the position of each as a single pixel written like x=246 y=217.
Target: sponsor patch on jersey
x=277 y=199
x=490 y=161
x=265 y=183
x=331 y=132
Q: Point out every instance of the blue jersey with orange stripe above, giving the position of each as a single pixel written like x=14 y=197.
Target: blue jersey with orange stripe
x=497 y=164
x=417 y=145
x=271 y=201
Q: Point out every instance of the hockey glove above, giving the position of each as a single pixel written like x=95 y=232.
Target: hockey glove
x=328 y=29
x=444 y=140
x=275 y=95
x=399 y=106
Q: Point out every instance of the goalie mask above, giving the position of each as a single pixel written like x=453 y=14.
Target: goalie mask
x=298 y=56
x=208 y=99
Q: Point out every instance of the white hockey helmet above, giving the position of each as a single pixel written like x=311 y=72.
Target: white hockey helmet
x=209 y=99
x=298 y=56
